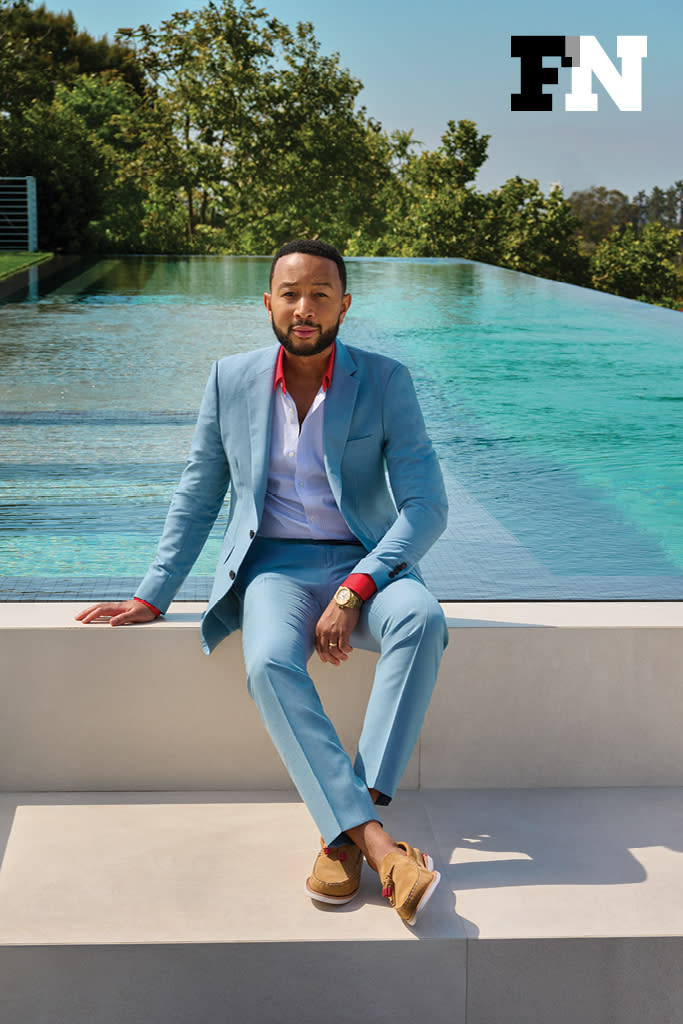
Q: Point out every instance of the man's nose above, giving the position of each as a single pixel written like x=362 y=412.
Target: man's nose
x=304 y=307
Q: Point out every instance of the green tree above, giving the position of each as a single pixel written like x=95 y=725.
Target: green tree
x=269 y=141
x=134 y=153
x=62 y=93
x=388 y=238
x=234 y=134
x=40 y=50
x=435 y=209
x=661 y=206
x=438 y=212
x=524 y=229
x=206 y=69
x=71 y=146
x=599 y=210
x=639 y=266
x=315 y=164
x=639 y=211
x=455 y=163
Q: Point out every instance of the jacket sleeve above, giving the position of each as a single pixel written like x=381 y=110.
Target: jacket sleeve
x=416 y=483
x=195 y=505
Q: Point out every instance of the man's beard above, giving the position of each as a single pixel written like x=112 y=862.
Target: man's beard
x=325 y=339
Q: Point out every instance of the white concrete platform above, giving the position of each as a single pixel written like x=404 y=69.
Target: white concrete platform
x=555 y=907
x=154 y=855
x=529 y=694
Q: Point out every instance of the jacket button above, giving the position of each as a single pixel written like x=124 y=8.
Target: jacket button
x=231 y=574
x=251 y=534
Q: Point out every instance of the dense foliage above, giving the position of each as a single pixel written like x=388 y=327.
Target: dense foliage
x=639 y=266
x=633 y=246
x=225 y=130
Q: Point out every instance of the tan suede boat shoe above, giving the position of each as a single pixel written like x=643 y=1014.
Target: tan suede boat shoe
x=408 y=881
x=336 y=874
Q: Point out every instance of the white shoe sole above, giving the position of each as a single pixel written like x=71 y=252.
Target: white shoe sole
x=337 y=900
x=426 y=896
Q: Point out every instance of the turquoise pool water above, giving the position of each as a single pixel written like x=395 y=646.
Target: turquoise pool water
x=556 y=412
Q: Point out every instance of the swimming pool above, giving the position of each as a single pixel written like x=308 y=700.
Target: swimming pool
x=556 y=413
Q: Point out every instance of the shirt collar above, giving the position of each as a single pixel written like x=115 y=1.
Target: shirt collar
x=280 y=370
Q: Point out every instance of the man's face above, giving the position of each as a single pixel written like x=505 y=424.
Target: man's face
x=306 y=304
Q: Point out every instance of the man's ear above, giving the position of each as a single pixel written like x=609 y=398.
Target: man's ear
x=346 y=302
x=266 y=303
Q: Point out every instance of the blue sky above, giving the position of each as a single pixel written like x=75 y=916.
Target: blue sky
x=425 y=62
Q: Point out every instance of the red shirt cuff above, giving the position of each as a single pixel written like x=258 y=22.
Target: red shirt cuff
x=362 y=584
x=148 y=605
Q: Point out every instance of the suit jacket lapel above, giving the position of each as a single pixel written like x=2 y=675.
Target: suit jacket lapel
x=259 y=388
x=340 y=401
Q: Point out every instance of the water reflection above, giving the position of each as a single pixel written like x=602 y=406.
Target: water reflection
x=555 y=412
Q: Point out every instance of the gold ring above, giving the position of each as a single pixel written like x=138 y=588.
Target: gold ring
x=331 y=644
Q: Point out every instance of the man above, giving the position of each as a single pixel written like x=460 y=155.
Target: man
x=319 y=550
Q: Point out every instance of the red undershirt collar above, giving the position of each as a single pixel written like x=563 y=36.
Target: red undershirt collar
x=280 y=370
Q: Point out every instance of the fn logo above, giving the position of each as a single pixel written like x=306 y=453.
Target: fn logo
x=586 y=57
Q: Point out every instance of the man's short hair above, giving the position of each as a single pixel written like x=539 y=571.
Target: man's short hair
x=312 y=247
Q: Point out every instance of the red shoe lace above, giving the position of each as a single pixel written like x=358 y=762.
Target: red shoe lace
x=328 y=850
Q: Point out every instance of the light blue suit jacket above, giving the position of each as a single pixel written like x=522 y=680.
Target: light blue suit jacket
x=382 y=469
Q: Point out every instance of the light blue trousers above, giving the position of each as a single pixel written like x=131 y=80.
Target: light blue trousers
x=284 y=586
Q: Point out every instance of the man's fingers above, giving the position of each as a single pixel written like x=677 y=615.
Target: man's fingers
x=330 y=656
x=324 y=652
x=332 y=651
x=97 y=613
x=116 y=613
x=335 y=653
x=87 y=614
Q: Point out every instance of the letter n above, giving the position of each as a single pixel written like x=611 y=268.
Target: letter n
x=625 y=88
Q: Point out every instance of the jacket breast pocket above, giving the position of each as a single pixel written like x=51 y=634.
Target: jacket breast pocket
x=360 y=437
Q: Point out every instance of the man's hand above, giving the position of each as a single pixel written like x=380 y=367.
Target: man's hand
x=332 y=633
x=117 y=613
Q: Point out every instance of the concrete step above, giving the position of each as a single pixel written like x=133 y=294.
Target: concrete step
x=562 y=906
x=529 y=694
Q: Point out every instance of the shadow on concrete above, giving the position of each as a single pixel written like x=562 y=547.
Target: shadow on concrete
x=505 y=838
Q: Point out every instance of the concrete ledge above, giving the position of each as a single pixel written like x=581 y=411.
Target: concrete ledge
x=562 y=906
x=96 y=708
x=530 y=694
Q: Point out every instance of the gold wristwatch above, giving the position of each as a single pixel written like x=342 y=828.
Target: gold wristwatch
x=346 y=598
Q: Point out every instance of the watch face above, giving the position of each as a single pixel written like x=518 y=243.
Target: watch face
x=343 y=595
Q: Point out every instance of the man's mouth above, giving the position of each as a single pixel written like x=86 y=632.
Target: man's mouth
x=304 y=330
